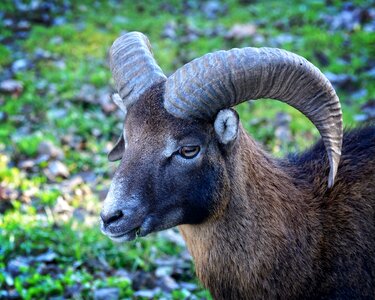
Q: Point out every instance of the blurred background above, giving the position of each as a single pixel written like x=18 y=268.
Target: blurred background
x=57 y=124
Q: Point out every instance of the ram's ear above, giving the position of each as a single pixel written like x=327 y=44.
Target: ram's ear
x=118 y=150
x=226 y=126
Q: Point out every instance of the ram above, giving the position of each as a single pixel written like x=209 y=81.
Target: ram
x=257 y=227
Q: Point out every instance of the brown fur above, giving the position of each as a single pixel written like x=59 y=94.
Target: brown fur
x=282 y=236
x=266 y=228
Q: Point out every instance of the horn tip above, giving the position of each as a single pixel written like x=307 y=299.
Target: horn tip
x=334 y=160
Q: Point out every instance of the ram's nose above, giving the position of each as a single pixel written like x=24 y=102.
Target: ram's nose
x=109 y=217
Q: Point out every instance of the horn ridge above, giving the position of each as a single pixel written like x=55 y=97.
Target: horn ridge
x=237 y=75
x=133 y=66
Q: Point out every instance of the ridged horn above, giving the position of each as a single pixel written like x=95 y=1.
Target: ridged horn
x=201 y=88
x=133 y=66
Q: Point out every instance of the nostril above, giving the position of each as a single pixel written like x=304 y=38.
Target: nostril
x=111 y=217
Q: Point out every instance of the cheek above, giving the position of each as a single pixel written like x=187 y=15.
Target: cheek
x=195 y=190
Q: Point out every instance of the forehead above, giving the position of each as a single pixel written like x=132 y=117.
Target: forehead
x=147 y=118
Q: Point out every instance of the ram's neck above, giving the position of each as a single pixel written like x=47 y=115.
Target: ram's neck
x=265 y=242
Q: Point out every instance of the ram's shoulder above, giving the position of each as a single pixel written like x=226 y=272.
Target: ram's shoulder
x=359 y=144
x=358 y=157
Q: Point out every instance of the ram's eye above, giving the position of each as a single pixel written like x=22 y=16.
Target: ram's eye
x=189 y=151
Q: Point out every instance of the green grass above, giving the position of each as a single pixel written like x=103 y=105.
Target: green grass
x=78 y=55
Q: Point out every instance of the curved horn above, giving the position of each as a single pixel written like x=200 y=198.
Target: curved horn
x=224 y=79
x=133 y=67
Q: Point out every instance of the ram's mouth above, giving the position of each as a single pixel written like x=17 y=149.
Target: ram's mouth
x=124 y=237
x=122 y=233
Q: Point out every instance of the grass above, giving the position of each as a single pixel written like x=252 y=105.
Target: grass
x=48 y=109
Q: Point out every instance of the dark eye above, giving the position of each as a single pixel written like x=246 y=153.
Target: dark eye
x=189 y=151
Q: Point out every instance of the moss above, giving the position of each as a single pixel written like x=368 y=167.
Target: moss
x=5 y=56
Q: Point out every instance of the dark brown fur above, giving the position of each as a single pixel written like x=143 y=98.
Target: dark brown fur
x=270 y=229
x=283 y=234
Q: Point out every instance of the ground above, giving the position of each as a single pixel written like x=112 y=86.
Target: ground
x=57 y=124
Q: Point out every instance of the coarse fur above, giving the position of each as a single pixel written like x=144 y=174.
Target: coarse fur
x=257 y=227
x=284 y=235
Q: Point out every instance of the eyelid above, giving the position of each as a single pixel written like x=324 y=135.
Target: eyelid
x=189 y=141
x=189 y=145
